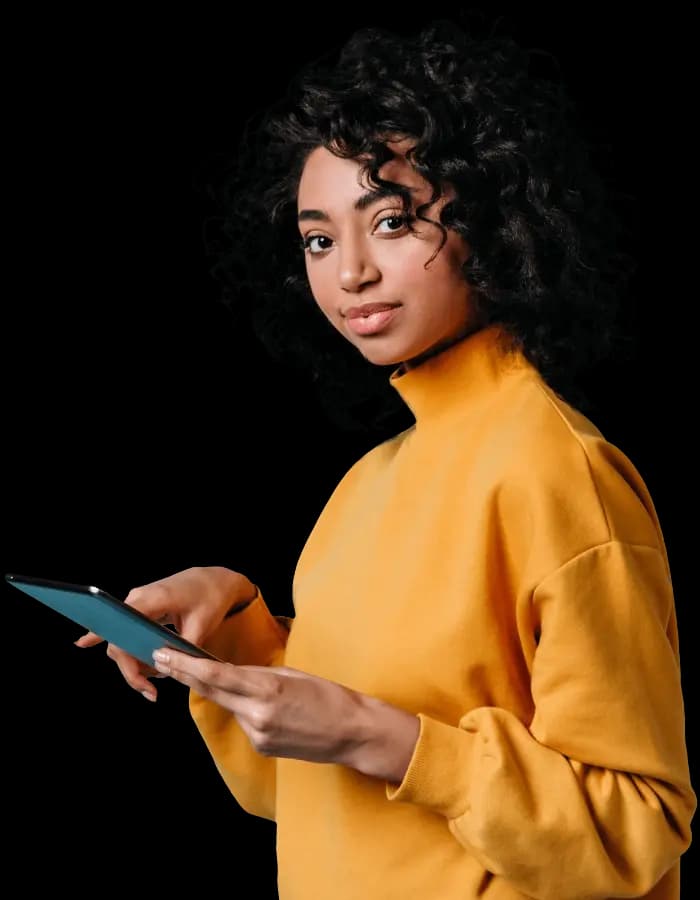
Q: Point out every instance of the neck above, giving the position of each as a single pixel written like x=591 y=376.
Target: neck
x=415 y=361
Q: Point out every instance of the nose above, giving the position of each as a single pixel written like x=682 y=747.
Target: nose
x=356 y=266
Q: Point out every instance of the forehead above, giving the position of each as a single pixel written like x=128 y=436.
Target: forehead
x=328 y=178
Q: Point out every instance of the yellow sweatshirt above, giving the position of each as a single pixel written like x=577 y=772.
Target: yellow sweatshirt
x=498 y=570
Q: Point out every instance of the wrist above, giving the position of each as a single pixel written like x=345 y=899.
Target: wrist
x=384 y=740
x=238 y=591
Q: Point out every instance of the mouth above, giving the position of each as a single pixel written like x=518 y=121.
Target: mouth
x=373 y=323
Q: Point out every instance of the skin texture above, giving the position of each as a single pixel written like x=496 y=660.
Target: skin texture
x=353 y=256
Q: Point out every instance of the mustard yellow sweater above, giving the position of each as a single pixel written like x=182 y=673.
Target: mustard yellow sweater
x=497 y=569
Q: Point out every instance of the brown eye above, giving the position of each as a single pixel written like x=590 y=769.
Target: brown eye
x=317 y=243
x=392 y=223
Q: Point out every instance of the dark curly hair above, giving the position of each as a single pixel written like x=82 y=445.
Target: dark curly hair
x=490 y=118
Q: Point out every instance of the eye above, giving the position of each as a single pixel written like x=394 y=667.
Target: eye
x=394 y=223
x=316 y=243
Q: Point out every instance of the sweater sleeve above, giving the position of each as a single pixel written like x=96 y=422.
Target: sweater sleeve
x=251 y=637
x=592 y=797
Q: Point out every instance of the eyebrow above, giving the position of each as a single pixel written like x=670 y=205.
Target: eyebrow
x=363 y=202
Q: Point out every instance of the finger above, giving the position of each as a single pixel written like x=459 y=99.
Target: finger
x=228 y=695
x=214 y=674
x=291 y=673
x=89 y=639
x=281 y=670
x=155 y=602
x=134 y=672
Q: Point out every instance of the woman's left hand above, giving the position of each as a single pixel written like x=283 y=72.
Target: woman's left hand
x=285 y=712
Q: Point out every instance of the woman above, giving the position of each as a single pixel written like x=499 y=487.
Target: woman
x=479 y=692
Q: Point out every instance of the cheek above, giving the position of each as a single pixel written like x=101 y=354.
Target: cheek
x=441 y=278
x=403 y=267
x=320 y=279
x=324 y=290
x=422 y=261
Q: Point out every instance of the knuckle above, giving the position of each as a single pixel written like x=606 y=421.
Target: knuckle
x=273 y=688
x=208 y=671
x=261 y=719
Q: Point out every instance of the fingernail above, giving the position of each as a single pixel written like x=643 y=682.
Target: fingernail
x=161 y=656
x=149 y=696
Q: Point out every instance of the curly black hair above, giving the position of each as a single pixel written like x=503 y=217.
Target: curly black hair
x=489 y=117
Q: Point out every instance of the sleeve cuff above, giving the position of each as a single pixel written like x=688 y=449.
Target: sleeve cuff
x=252 y=636
x=438 y=773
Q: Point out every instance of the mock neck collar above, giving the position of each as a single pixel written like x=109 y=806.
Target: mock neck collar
x=458 y=375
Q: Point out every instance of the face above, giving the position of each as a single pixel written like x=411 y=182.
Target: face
x=366 y=261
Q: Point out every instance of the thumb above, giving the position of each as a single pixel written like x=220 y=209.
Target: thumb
x=90 y=639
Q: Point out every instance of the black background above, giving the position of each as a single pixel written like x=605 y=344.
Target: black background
x=145 y=432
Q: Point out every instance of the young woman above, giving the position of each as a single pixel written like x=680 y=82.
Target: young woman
x=479 y=692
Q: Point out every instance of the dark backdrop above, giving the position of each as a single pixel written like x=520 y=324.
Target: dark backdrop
x=145 y=431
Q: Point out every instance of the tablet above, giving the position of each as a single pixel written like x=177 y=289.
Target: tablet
x=115 y=621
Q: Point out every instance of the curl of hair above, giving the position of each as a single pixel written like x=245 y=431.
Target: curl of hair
x=490 y=118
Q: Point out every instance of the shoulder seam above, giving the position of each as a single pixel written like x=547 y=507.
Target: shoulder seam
x=600 y=546
x=544 y=391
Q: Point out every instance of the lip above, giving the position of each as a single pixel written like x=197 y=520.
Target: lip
x=376 y=321
x=352 y=312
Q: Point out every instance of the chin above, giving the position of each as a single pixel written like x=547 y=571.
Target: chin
x=382 y=356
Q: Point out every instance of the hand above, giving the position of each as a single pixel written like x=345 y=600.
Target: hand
x=288 y=713
x=195 y=601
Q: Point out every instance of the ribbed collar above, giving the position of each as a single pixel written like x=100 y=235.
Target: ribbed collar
x=459 y=375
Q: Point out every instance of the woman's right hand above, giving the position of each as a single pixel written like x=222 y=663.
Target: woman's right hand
x=195 y=601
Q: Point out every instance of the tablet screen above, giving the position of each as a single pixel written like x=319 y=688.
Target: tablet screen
x=112 y=619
